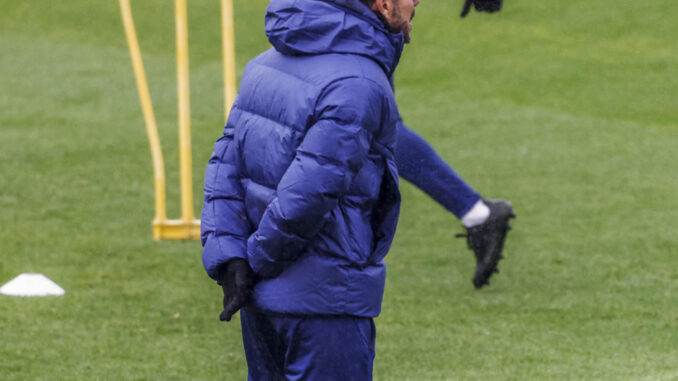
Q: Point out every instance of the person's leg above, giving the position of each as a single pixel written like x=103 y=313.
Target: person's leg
x=419 y=164
x=486 y=221
x=292 y=348
x=264 y=347
x=330 y=348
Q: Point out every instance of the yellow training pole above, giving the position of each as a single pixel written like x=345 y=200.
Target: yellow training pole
x=149 y=117
x=187 y=215
x=228 y=41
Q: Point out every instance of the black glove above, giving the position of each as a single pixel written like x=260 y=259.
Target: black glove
x=489 y=6
x=236 y=278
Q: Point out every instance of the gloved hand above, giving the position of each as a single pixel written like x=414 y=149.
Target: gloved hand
x=489 y=6
x=236 y=278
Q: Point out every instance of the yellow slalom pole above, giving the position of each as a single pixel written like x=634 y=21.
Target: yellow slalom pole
x=187 y=215
x=149 y=117
x=228 y=41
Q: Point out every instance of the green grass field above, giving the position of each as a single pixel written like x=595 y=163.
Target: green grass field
x=565 y=107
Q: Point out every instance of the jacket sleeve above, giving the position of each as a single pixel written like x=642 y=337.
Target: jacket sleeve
x=349 y=112
x=224 y=225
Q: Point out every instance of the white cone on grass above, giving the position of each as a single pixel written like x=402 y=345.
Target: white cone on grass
x=29 y=284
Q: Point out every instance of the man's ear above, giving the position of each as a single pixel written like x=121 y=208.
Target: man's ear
x=385 y=8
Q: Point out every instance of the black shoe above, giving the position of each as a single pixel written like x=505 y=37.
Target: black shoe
x=487 y=240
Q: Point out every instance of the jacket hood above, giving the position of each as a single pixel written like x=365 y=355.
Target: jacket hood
x=298 y=27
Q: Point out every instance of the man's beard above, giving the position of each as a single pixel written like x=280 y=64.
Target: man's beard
x=405 y=27
x=395 y=29
x=409 y=30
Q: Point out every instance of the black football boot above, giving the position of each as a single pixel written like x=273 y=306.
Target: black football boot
x=487 y=240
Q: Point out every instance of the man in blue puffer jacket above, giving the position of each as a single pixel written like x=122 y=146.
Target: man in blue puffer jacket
x=301 y=192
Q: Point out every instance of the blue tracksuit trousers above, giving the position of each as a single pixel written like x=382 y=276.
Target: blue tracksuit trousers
x=326 y=348
x=419 y=164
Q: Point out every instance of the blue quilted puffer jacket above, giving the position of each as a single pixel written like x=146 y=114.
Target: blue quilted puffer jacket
x=303 y=183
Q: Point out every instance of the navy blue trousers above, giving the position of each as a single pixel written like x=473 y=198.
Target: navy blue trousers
x=419 y=164
x=326 y=348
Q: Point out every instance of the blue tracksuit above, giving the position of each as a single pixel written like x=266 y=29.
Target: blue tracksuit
x=419 y=164
x=303 y=183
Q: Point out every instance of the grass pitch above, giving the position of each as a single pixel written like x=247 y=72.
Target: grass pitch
x=567 y=108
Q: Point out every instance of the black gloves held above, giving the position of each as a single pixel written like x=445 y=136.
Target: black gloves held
x=489 y=6
x=236 y=278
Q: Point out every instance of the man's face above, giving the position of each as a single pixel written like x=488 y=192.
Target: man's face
x=400 y=17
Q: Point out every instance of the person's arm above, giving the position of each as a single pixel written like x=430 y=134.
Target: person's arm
x=224 y=225
x=334 y=149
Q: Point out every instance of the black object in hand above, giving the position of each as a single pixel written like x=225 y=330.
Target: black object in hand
x=236 y=278
x=489 y=6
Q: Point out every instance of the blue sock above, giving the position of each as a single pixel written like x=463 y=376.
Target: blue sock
x=419 y=164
